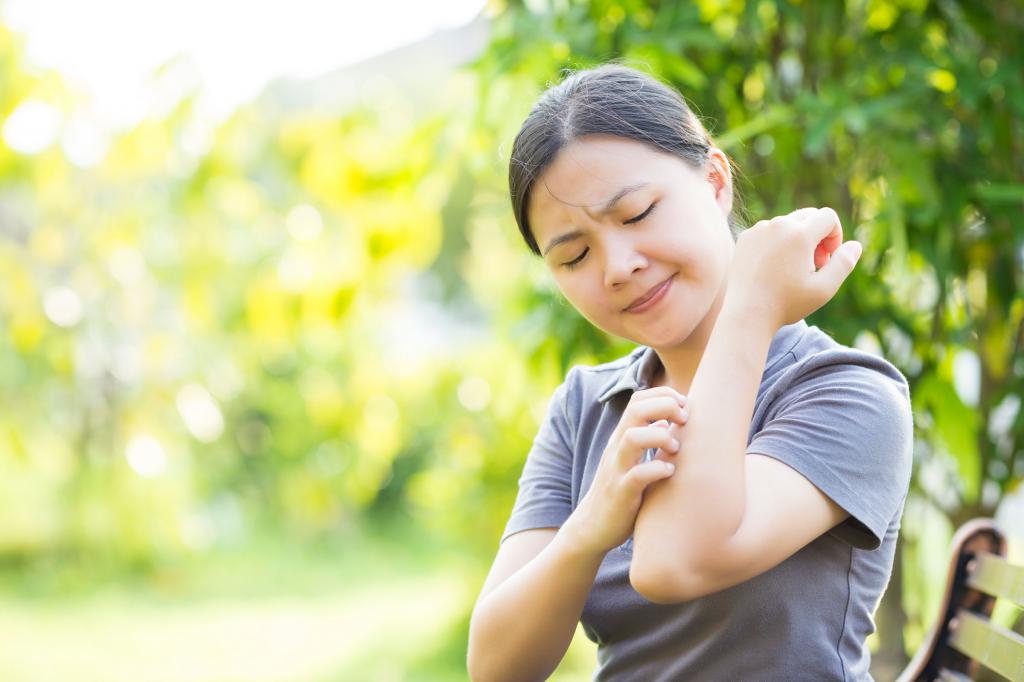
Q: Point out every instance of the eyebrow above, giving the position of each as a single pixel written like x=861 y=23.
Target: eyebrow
x=608 y=205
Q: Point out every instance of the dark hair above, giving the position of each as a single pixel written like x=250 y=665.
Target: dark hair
x=611 y=99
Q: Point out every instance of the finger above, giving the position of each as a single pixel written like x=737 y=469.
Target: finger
x=840 y=265
x=821 y=255
x=823 y=251
x=651 y=410
x=803 y=213
x=656 y=392
x=642 y=475
x=824 y=226
x=637 y=440
x=825 y=221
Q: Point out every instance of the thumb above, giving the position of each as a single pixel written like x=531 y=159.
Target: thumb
x=839 y=266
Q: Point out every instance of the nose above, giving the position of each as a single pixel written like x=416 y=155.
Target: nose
x=621 y=261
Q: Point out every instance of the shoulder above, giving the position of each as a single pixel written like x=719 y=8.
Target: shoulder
x=850 y=390
x=822 y=361
x=847 y=390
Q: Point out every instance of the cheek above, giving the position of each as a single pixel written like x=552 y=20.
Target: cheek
x=588 y=297
x=688 y=255
x=700 y=245
x=575 y=290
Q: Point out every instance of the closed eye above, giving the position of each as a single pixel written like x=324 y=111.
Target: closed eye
x=640 y=217
x=576 y=261
x=635 y=219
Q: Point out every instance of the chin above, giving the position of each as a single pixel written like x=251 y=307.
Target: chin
x=668 y=336
x=664 y=333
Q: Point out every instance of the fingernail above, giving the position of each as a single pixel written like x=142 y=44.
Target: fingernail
x=686 y=414
x=675 y=445
x=671 y=467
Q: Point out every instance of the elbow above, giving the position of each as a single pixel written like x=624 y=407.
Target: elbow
x=490 y=659
x=661 y=584
x=482 y=663
x=482 y=671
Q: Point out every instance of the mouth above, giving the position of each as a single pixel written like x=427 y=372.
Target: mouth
x=650 y=299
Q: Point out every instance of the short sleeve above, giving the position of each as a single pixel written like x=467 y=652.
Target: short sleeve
x=848 y=428
x=544 y=499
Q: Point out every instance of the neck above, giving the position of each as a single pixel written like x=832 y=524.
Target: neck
x=679 y=363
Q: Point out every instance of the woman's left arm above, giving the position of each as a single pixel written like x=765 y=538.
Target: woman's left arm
x=700 y=531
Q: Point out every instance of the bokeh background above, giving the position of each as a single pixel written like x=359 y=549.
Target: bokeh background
x=272 y=352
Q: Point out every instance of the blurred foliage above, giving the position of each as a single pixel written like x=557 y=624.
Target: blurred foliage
x=312 y=319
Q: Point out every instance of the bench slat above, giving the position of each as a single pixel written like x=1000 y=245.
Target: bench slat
x=996 y=576
x=995 y=647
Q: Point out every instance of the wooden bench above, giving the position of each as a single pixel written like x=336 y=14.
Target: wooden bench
x=963 y=636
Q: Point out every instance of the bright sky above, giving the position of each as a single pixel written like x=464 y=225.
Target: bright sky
x=110 y=48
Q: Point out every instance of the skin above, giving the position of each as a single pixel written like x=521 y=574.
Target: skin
x=686 y=234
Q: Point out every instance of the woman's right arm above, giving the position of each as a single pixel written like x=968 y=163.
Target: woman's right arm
x=527 y=611
x=526 y=614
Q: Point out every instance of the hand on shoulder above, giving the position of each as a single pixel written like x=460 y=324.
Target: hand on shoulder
x=785 y=268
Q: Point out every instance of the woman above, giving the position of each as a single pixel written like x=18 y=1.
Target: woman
x=757 y=541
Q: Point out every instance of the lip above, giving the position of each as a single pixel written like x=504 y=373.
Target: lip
x=650 y=299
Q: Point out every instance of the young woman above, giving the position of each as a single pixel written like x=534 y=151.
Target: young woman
x=723 y=502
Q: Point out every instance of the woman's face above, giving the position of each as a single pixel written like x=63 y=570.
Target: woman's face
x=615 y=219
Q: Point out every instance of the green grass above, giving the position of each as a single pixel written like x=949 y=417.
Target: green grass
x=382 y=606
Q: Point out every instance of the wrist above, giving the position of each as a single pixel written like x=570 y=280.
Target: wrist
x=577 y=541
x=749 y=314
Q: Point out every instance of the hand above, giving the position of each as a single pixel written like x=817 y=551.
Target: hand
x=605 y=517
x=788 y=267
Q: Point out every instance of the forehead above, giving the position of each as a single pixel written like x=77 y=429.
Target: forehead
x=588 y=171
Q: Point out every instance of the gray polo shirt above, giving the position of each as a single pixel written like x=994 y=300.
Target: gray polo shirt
x=839 y=416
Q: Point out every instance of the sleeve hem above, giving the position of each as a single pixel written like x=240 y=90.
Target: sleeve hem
x=866 y=530
x=519 y=524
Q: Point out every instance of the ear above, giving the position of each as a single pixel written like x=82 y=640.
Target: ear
x=719 y=174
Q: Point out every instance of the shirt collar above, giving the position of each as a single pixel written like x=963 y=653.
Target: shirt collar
x=636 y=375
x=644 y=363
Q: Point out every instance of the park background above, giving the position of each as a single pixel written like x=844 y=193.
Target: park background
x=268 y=376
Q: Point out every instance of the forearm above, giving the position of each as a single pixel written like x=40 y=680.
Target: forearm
x=523 y=627
x=689 y=517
